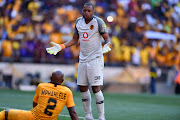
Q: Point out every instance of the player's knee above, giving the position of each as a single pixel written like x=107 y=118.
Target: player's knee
x=96 y=89
x=83 y=88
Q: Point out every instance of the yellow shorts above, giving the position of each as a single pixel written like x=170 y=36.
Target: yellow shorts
x=20 y=115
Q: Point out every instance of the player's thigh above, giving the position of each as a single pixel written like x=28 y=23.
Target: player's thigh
x=82 y=74
x=95 y=71
x=19 y=115
x=25 y=115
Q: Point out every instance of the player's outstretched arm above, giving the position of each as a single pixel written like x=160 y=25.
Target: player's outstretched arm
x=56 y=47
x=73 y=113
x=106 y=47
x=72 y=42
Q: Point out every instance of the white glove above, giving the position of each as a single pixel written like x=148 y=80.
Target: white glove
x=106 y=48
x=55 y=49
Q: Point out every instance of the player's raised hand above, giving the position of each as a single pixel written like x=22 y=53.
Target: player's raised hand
x=106 y=48
x=55 y=49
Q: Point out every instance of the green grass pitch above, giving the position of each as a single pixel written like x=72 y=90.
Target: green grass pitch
x=117 y=106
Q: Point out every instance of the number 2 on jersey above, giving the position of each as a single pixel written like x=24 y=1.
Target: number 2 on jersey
x=51 y=107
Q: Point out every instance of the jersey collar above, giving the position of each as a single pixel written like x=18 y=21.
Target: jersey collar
x=55 y=84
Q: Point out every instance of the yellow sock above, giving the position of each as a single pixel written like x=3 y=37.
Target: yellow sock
x=2 y=115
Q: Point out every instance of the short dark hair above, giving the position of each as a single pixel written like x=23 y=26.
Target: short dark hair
x=89 y=4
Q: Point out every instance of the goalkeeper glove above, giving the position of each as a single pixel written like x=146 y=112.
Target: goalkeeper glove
x=55 y=49
x=106 y=48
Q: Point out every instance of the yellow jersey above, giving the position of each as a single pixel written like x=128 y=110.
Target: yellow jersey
x=51 y=99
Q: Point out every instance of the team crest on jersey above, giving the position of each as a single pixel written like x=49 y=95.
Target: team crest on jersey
x=92 y=27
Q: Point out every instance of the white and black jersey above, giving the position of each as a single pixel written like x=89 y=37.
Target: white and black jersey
x=90 y=37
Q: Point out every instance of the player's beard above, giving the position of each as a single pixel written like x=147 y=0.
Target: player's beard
x=87 y=17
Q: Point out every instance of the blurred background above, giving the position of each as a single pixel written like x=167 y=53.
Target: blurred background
x=145 y=34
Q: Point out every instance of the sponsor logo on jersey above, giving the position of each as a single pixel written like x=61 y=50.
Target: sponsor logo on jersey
x=92 y=27
x=85 y=35
x=85 y=40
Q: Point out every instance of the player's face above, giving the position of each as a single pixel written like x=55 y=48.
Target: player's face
x=88 y=12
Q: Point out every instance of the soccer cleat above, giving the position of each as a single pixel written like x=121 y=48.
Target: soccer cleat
x=101 y=119
x=88 y=117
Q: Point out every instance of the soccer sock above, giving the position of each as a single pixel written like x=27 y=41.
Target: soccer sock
x=86 y=100
x=100 y=104
x=2 y=115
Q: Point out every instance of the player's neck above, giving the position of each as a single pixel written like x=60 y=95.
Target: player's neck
x=88 y=20
x=54 y=83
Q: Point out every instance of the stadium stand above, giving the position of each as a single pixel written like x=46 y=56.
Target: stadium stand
x=141 y=31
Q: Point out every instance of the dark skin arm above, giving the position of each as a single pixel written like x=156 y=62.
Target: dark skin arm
x=72 y=42
x=34 y=104
x=73 y=113
x=106 y=37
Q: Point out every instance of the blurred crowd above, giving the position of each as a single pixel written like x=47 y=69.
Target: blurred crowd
x=142 y=31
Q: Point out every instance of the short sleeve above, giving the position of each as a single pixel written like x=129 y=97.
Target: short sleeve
x=101 y=26
x=75 y=28
x=75 y=31
x=70 y=101
x=36 y=96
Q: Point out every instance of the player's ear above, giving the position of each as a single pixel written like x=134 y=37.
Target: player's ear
x=62 y=80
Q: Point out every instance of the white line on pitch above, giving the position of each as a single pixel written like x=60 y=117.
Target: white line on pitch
x=58 y=115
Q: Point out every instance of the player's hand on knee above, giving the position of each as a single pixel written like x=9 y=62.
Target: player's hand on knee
x=55 y=49
x=106 y=48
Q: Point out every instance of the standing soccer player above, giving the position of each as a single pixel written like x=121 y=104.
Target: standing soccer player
x=89 y=30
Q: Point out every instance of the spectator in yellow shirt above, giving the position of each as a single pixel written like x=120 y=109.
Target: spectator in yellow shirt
x=7 y=48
